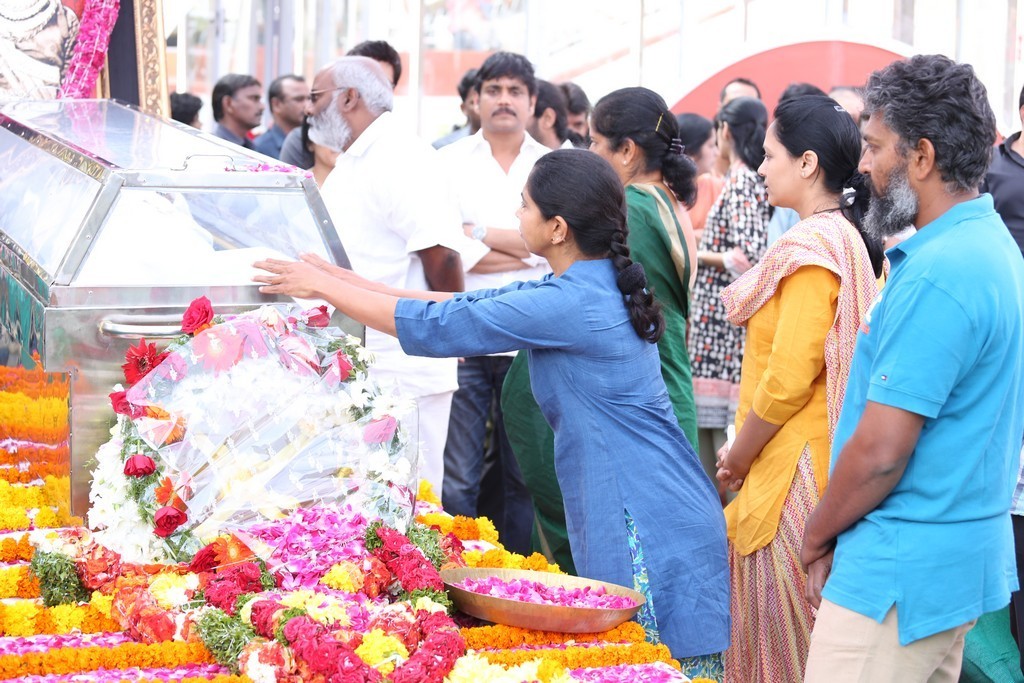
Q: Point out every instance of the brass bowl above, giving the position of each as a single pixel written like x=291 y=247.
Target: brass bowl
x=535 y=616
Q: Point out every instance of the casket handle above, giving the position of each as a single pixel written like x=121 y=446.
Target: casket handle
x=148 y=330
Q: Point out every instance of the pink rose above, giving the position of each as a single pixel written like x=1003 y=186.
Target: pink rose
x=139 y=466
x=198 y=316
x=167 y=520
x=344 y=365
x=380 y=431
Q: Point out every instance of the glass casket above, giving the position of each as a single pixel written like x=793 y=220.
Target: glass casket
x=111 y=222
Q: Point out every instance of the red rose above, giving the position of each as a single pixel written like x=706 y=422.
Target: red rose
x=139 y=466
x=198 y=316
x=317 y=317
x=167 y=520
x=119 y=401
x=205 y=560
x=222 y=594
x=264 y=615
x=140 y=360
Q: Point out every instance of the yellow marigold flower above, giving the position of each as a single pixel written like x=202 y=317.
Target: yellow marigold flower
x=101 y=603
x=67 y=618
x=19 y=618
x=440 y=520
x=382 y=651
x=472 y=557
x=46 y=518
x=426 y=493
x=486 y=530
x=12 y=518
x=343 y=576
x=552 y=672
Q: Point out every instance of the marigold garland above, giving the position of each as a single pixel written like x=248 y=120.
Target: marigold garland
x=18 y=582
x=499 y=637
x=33 y=381
x=73 y=660
x=36 y=455
x=18 y=519
x=30 y=618
x=587 y=657
x=464 y=528
x=33 y=473
x=16 y=549
x=36 y=419
x=499 y=558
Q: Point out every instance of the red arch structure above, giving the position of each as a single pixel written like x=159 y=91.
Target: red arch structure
x=824 y=63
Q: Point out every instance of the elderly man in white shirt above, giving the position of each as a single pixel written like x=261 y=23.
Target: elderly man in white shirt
x=487 y=172
x=391 y=206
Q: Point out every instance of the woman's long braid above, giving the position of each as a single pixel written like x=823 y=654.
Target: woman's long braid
x=644 y=310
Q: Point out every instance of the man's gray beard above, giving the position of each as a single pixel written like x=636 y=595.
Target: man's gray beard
x=893 y=211
x=330 y=129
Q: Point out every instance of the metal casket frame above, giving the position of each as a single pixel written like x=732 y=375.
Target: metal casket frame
x=111 y=222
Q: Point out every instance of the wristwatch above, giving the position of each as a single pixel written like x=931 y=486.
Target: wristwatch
x=479 y=232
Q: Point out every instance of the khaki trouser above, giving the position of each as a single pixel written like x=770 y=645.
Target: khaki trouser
x=847 y=647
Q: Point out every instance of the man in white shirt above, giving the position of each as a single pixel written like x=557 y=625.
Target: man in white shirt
x=390 y=204
x=487 y=171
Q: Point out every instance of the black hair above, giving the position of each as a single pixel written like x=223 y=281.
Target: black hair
x=466 y=84
x=227 y=86
x=640 y=115
x=507 y=65
x=799 y=90
x=550 y=96
x=694 y=130
x=380 y=51
x=585 y=191
x=816 y=123
x=748 y=121
x=932 y=97
x=276 y=89
x=1020 y=102
x=744 y=81
x=577 y=100
x=185 y=107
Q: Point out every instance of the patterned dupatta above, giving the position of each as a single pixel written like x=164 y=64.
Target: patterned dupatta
x=672 y=235
x=830 y=241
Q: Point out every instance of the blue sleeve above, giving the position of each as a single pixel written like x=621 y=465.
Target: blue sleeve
x=516 y=286
x=541 y=316
x=927 y=344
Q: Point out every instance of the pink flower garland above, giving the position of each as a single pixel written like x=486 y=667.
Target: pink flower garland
x=90 y=50
x=539 y=593
x=659 y=672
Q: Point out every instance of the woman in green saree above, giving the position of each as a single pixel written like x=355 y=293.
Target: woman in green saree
x=634 y=130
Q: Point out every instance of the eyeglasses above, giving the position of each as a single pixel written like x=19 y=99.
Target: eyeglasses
x=314 y=95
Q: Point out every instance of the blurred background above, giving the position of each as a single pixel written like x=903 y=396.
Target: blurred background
x=684 y=49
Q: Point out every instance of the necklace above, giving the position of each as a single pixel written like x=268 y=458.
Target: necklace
x=836 y=208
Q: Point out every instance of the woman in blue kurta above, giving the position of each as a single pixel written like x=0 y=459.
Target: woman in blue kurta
x=639 y=509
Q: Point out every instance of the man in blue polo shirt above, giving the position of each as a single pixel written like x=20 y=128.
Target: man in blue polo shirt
x=926 y=449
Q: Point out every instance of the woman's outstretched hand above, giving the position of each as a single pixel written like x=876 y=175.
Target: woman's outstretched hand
x=299 y=279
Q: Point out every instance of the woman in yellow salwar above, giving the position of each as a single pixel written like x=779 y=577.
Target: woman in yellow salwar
x=802 y=305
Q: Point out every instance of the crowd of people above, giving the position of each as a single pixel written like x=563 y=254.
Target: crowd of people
x=766 y=368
